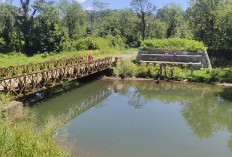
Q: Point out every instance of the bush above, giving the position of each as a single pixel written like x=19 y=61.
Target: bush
x=143 y=70
x=200 y=76
x=126 y=69
x=25 y=139
x=172 y=44
x=92 y=44
x=129 y=69
x=98 y=43
x=116 y=41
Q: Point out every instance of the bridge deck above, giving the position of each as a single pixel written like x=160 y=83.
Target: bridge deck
x=29 y=83
x=7 y=72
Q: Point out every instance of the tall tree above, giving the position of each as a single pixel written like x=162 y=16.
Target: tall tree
x=9 y=32
x=25 y=17
x=174 y=16
x=96 y=16
x=74 y=18
x=203 y=15
x=46 y=33
x=122 y=23
x=144 y=9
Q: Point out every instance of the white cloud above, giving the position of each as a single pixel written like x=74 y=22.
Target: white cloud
x=80 y=1
x=89 y=8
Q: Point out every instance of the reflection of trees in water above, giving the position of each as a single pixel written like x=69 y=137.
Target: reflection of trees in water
x=206 y=109
x=209 y=114
x=137 y=100
x=131 y=91
x=226 y=94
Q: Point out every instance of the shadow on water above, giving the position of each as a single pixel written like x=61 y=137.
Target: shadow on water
x=57 y=91
x=226 y=94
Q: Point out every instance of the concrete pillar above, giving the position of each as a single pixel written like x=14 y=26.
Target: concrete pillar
x=205 y=60
x=14 y=110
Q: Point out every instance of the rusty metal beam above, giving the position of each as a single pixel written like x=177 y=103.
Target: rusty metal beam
x=29 y=83
x=11 y=71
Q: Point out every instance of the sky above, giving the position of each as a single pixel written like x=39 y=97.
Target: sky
x=120 y=4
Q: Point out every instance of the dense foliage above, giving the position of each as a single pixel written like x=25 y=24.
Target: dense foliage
x=144 y=70
x=24 y=138
x=43 y=26
x=173 y=44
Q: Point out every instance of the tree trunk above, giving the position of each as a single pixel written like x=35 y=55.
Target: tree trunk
x=143 y=26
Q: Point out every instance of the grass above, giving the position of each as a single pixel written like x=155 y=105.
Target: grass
x=20 y=59
x=173 y=44
x=129 y=69
x=24 y=138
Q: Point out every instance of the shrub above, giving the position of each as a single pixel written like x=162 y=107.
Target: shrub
x=172 y=44
x=92 y=44
x=152 y=70
x=143 y=70
x=200 y=76
x=25 y=139
x=126 y=69
x=116 y=41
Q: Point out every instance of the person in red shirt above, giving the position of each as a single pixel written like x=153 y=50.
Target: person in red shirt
x=90 y=57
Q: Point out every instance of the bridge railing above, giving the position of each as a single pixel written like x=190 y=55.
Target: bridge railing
x=26 y=84
x=36 y=67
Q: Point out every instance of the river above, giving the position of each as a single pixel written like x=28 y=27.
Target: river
x=144 y=119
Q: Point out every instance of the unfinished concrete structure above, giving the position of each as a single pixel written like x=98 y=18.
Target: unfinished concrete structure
x=196 y=60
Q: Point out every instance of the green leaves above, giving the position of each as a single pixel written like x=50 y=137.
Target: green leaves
x=211 y=22
x=173 y=44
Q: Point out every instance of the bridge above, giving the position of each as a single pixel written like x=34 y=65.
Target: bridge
x=19 y=81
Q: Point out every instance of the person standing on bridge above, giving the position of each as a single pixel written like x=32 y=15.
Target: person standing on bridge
x=90 y=57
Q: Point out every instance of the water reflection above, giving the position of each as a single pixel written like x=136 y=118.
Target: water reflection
x=206 y=109
x=73 y=103
x=134 y=115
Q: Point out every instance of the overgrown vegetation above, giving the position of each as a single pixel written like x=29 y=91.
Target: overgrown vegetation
x=47 y=31
x=25 y=138
x=129 y=69
x=172 y=44
x=20 y=58
x=45 y=26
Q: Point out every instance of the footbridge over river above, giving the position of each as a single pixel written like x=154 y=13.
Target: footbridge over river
x=19 y=81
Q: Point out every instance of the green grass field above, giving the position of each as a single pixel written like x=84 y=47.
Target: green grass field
x=20 y=59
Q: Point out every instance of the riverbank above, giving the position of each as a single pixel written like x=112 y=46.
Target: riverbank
x=129 y=69
x=163 y=81
x=21 y=136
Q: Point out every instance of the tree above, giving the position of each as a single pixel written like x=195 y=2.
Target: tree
x=223 y=24
x=144 y=9
x=157 y=29
x=9 y=32
x=174 y=16
x=24 y=20
x=203 y=17
x=74 y=19
x=96 y=16
x=122 y=23
x=46 y=33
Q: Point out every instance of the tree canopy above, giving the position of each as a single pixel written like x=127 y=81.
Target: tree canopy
x=44 y=26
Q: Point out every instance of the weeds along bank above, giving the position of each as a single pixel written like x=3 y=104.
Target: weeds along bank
x=128 y=68
x=24 y=138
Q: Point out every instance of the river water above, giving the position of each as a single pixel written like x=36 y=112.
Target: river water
x=144 y=119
